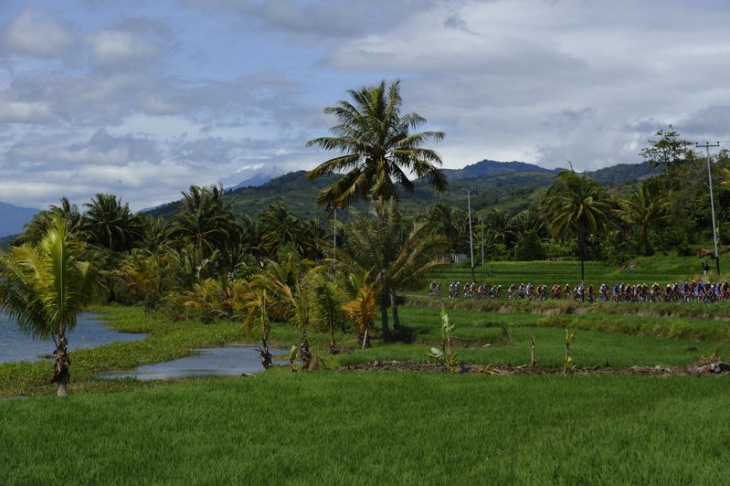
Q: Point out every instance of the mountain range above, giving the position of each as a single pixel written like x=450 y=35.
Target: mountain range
x=487 y=184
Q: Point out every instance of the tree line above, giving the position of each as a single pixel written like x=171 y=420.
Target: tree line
x=206 y=263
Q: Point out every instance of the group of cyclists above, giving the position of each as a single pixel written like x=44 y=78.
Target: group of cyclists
x=689 y=291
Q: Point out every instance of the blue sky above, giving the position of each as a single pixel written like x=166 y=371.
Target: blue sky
x=142 y=99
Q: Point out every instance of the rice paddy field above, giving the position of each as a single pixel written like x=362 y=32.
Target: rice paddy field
x=610 y=418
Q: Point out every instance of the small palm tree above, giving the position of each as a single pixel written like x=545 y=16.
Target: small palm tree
x=45 y=287
x=378 y=149
x=362 y=308
x=291 y=297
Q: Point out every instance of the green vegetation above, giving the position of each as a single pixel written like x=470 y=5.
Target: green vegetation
x=575 y=405
x=377 y=428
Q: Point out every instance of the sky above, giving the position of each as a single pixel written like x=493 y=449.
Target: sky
x=143 y=99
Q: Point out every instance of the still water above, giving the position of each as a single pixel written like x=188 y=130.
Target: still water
x=15 y=345
x=233 y=360
x=89 y=332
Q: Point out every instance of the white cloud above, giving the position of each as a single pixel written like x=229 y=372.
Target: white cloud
x=142 y=99
x=36 y=33
x=24 y=112
x=118 y=50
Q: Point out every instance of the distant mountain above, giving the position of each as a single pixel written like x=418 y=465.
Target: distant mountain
x=259 y=178
x=13 y=218
x=493 y=168
x=624 y=173
x=508 y=186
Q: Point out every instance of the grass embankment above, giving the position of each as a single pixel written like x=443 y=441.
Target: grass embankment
x=376 y=428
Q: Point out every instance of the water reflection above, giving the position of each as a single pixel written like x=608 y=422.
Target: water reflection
x=16 y=345
x=234 y=360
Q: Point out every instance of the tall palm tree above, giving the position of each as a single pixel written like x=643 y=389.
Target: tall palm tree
x=577 y=205
x=278 y=226
x=204 y=225
x=379 y=152
x=645 y=209
x=45 y=287
x=110 y=224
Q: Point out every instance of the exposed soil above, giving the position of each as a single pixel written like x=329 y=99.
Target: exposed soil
x=701 y=369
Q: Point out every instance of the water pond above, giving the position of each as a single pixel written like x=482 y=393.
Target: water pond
x=235 y=360
x=15 y=345
x=90 y=332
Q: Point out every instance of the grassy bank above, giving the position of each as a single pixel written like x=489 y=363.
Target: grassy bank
x=602 y=338
x=376 y=428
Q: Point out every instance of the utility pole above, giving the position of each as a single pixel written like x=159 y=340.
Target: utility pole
x=471 y=237
x=482 y=221
x=707 y=146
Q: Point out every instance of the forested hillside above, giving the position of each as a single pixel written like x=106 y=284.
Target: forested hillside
x=492 y=185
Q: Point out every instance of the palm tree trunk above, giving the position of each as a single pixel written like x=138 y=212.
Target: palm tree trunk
x=394 y=306
x=366 y=338
x=266 y=358
x=304 y=354
x=61 y=372
x=384 y=300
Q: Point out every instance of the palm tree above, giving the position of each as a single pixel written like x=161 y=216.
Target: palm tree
x=204 y=226
x=575 y=203
x=395 y=254
x=45 y=287
x=37 y=228
x=645 y=209
x=450 y=221
x=255 y=304
x=290 y=289
x=378 y=150
x=110 y=224
x=277 y=227
x=361 y=309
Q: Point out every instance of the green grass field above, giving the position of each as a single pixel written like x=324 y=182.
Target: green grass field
x=661 y=269
x=376 y=428
x=359 y=427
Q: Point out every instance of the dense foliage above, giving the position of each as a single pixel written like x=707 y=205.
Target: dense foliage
x=203 y=258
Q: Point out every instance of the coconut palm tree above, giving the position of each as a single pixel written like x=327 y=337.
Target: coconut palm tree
x=110 y=224
x=396 y=254
x=277 y=226
x=577 y=205
x=379 y=152
x=202 y=230
x=645 y=209
x=205 y=220
x=45 y=287
x=37 y=227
